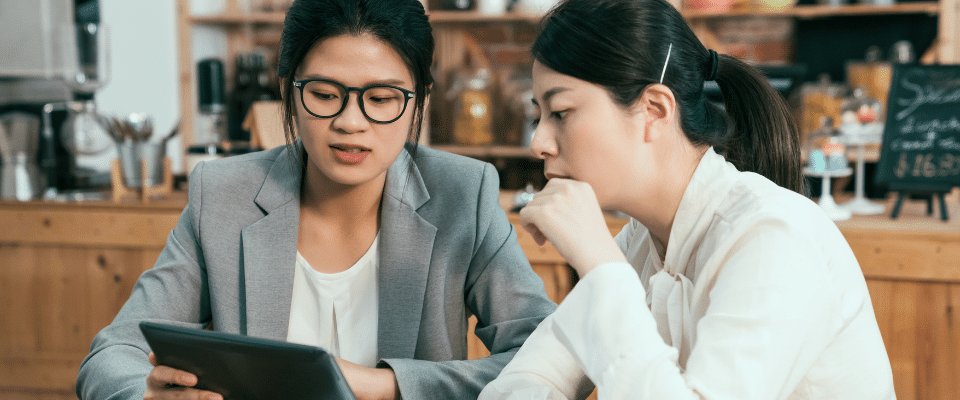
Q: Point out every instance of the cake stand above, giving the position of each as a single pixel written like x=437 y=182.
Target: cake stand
x=829 y=206
x=859 y=136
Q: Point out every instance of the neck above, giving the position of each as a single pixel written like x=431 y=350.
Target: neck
x=656 y=209
x=344 y=205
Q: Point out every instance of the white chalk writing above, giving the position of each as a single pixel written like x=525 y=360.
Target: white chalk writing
x=950 y=144
x=924 y=95
x=911 y=125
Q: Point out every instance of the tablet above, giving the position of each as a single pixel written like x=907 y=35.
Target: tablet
x=241 y=367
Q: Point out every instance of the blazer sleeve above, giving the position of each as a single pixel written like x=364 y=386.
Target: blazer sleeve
x=174 y=291
x=504 y=293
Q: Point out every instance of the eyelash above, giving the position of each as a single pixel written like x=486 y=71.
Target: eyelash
x=556 y=114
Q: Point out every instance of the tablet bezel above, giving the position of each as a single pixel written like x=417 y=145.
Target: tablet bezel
x=243 y=367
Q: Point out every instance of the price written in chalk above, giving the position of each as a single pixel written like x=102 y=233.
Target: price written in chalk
x=927 y=165
x=921 y=140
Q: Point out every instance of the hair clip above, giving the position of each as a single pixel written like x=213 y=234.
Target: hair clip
x=667 y=61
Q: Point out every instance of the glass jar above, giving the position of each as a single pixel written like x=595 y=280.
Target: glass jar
x=872 y=73
x=473 y=119
x=820 y=99
x=860 y=108
x=824 y=151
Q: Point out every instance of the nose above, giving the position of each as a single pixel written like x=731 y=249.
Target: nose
x=351 y=119
x=543 y=145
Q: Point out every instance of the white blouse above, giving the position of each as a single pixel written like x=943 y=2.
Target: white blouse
x=339 y=311
x=758 y=296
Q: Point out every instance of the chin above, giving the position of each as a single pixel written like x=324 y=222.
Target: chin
x=352 y=178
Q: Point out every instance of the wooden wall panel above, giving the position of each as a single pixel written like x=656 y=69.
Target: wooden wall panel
x=910 y=256
x=55 y=299
x=921 y=332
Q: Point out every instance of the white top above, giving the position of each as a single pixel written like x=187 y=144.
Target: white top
x=757 y=297
x=337 y=312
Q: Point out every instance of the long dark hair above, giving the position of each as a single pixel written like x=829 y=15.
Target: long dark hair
x=402 y=24
x=622 y=45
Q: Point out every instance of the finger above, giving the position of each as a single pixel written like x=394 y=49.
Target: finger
x=528 y=220
x=181 y=393
x=162 y=376
x=153 y=359
x=538 y=236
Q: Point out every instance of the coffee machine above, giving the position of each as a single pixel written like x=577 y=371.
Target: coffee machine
x=59 y=60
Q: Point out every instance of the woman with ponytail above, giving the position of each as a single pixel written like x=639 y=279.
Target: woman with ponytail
x=727 y=282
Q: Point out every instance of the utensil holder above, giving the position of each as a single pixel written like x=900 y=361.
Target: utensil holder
x=147 y=190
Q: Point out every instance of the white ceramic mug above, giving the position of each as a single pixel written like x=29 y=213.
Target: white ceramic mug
x=492 y=7
x=535 y=6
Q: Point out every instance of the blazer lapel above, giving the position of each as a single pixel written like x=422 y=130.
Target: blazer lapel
x=406 y=243
x=269 y=252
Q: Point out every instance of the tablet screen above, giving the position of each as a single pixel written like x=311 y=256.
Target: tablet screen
x=242 y=367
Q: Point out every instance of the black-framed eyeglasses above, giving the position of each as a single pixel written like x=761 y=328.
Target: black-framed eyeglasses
x=324 y=98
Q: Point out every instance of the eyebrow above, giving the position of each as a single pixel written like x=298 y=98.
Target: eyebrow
x=550 y=93
x=392 y=82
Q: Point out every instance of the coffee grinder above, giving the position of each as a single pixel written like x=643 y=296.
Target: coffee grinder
x=85 y=134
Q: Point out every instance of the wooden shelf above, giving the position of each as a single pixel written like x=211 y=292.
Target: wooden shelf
x=491 y=151
x=822 y=11
x=239 y=18
x=473 y=16
x=443 y=17
x=435 y=17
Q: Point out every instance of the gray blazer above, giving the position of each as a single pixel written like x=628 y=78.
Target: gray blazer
x=446 y=251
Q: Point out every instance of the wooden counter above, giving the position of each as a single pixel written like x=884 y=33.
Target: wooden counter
x=912 y=266
x=65 y=271
x=66 y=268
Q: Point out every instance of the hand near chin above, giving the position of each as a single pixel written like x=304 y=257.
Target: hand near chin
x=566 y=213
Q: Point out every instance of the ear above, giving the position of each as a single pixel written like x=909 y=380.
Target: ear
x=658 y=108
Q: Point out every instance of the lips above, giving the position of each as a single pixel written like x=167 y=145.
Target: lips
x=349 y=153
x=551 y=175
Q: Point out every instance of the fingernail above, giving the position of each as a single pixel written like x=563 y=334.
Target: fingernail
x=188 y=380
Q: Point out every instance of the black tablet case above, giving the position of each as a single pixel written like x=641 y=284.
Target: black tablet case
x=246 y=368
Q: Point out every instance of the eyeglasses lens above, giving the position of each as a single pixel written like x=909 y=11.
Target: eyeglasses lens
x=380 y=103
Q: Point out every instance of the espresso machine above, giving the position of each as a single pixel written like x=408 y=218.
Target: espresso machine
x=59 y=61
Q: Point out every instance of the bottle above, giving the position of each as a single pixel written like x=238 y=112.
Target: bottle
x=902 y=53
x=457 y=4
x=253 y=84
x=239 y=101
x=27 y=178
x=213 y=117
x=266 y=87
x=212 y=104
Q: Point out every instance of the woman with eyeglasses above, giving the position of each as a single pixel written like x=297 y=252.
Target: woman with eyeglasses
x=727 y=283
x=350 y=238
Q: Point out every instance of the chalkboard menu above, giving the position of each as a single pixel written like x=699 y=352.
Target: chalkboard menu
x=921 y=139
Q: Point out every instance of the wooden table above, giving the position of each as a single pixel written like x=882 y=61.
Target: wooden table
x=66 y=268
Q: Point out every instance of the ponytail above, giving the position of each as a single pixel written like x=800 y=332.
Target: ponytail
x=763 y=135
x=622 y=45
